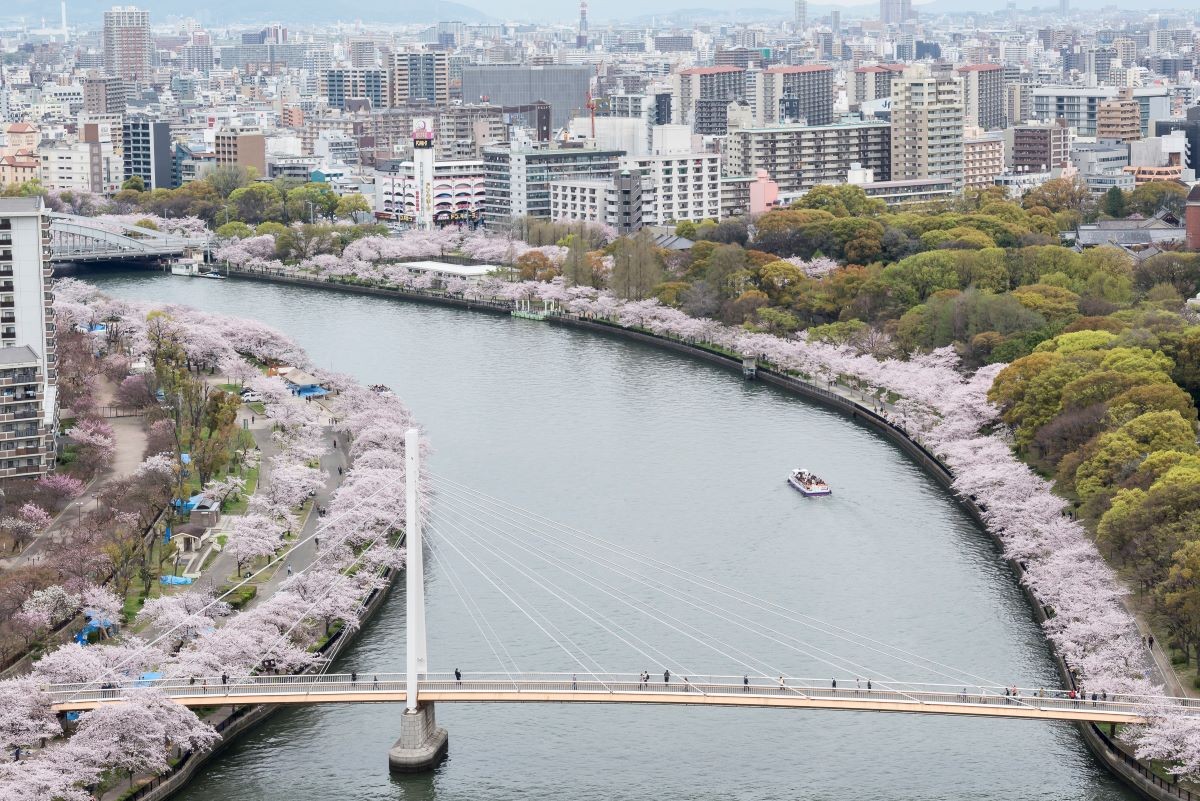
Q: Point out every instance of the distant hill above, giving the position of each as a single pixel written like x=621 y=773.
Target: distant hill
x=220 y=12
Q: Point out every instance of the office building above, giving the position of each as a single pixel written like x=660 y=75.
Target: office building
x=127 y=45
x=1190 y=127
x=147 y=151
x=983 y=95
x=86 y=164
x=419 y=77
x=927 y=128
x=239 y=146
x=618 y=201
x=28 y=364
x=564 y=86
x=801 y=19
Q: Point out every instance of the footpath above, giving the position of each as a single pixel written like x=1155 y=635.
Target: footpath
x=129 y=436
x=224 y=567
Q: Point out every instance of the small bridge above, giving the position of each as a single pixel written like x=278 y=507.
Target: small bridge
x=529 y=688
x=84 y=239
x=517 y=553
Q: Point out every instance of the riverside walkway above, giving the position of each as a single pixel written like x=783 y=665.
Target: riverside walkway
x=730 y=691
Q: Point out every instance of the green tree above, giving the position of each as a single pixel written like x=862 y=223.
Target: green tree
x=1153 y=196
x=227 y=178
x=235 y=230
x=134 y=183
x=350 y=205
x=257 y=203
x=1114 y=203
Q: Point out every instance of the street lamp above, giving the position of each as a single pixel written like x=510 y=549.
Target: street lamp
x=78 y=513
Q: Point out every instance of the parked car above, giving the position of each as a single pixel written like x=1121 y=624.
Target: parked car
x=251 y=397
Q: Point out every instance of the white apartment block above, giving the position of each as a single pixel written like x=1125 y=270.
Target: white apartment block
x=28 y=364
x=927 y=127
x=681 y=186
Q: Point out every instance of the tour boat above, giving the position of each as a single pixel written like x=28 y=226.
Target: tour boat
x=808 y=483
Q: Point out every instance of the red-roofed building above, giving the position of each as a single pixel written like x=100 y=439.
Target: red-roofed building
x=796 y=93
x=19 y=168
x=874 y=82
x=20 y=136
x=705 y=94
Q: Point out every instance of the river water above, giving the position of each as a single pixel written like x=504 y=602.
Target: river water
x=684 y=462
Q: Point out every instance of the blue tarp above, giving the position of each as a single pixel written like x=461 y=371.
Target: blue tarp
x=98 y=327
x=167 y=536
x=72 y=716
x=312 y=392
x=145 y=679
x=190 y=504
x=175 y=580
x=186 y=458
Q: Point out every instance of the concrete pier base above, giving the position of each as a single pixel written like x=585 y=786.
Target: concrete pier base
x=422 y=745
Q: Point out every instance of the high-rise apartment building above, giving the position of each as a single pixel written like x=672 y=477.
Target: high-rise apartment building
x=983 y=158
x=927 y=127
x=983 y=95
x=802 y=93
x=127 y=45
x=103 y=94
x=799 y=157
x=893 y=12
x=146 y=148
x=1120 y=118
x=28 y=363
x=341 y=85
x=705 y=94
x=419 y=77
x=801 y=14
x=873 y=82
x=1037 y=147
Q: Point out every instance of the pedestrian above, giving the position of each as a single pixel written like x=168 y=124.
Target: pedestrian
x=857 y=685
x=666 y=677
x=1150 y=640
x=833 y=683
x=458 y=677
x=335 y=442
x=782 y=684
x=374 y=682
x=289 y=570
x=225 y=682
x=191 y=680
x=686 y=684
x=339 y=471
x=354 y=677
x=251 y=419
x=745 y=682
x=963 y=695
x=868 y=685
x=317 y=542
x=574 y=683
x=1094 y=698
x=1104 y=695
x=206 y=686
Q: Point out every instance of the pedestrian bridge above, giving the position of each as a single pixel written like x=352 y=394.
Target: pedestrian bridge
x=80 y=239
x=526 y=688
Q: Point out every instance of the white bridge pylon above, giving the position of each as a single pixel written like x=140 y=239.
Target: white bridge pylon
x=414 y=568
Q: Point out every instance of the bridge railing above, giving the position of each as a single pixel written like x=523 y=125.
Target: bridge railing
x=498 y=684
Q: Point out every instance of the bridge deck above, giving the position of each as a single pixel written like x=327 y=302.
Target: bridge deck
x=725 y=692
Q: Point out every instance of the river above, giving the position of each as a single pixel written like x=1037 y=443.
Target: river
x=685 y=462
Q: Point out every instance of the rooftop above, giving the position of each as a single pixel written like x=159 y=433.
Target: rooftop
x=710 y=70
x=783 y=68
x=21 y=355
x=20 y=205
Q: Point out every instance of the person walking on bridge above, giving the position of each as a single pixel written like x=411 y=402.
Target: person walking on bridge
x=574 y=683
x=458 y=677
x=666 y=677
x=745 y=682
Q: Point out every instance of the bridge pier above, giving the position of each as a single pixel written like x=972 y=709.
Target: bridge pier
x=422 y=744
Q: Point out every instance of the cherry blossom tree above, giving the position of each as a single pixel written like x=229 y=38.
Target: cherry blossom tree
x=254 y=536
